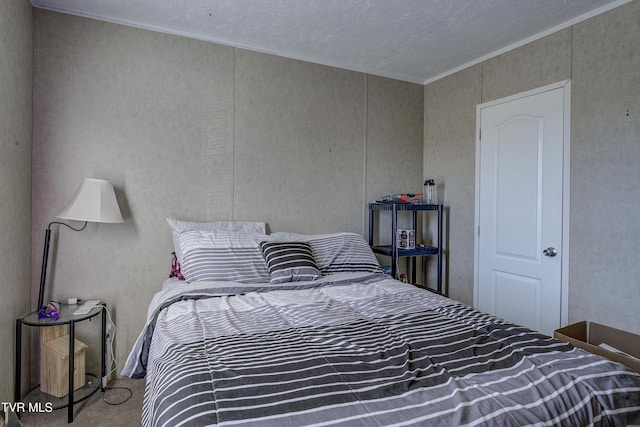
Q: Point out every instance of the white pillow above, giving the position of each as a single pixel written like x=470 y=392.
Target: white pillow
x=178 y=227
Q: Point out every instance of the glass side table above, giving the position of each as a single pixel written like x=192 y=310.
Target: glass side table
x=92 y=382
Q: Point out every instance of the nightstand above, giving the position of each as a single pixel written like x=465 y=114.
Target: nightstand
x=37 y=399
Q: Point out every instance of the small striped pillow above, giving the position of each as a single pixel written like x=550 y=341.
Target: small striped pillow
x=289 y=261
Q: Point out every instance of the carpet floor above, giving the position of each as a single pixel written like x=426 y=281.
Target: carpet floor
x=95 y=411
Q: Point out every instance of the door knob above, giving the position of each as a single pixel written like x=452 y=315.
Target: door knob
x=550 y=252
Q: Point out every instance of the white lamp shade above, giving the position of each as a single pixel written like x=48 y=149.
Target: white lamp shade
x=95 y=201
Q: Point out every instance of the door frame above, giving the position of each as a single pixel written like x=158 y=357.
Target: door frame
x=566 y=173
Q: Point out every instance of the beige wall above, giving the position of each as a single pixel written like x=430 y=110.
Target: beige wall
x=605 y=170
x=601 y=58
x=199 y=131
x=16 y=41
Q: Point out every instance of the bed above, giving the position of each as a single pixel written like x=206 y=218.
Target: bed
x=330 y=340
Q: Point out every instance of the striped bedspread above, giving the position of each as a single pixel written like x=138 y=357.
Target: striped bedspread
x=361 y=350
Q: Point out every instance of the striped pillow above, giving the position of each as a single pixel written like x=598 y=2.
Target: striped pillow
x=178 y=227
x=289 y=261
x=338 y=252
x=223 y=256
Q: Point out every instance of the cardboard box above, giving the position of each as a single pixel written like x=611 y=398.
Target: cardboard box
x=54 y=369
x=406 y=239
x=589 y=335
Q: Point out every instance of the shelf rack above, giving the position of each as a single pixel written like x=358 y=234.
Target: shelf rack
x=393 y=251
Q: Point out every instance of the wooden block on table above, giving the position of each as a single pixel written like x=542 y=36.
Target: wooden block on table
x=52 y=332
x=54 y=368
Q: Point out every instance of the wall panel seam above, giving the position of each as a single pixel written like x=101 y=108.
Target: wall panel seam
x=365 y=140
x=233 y=135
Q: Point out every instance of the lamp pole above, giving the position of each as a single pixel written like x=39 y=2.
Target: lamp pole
x=45 y=258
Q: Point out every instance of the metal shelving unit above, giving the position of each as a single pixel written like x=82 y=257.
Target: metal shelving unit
x=393 y=251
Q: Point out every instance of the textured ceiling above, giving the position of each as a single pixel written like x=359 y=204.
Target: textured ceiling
x=413 y=40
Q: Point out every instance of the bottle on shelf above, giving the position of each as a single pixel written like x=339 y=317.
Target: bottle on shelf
x=430 y=192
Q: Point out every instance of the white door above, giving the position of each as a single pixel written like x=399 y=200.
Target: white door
x=522 y=185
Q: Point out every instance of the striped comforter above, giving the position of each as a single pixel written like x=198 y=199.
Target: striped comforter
x=361 y=350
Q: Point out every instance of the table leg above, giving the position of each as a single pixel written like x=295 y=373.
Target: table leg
x=72 y=330
x=18 y=363
x=103 y=380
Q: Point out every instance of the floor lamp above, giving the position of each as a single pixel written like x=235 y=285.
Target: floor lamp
x=95 y=201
